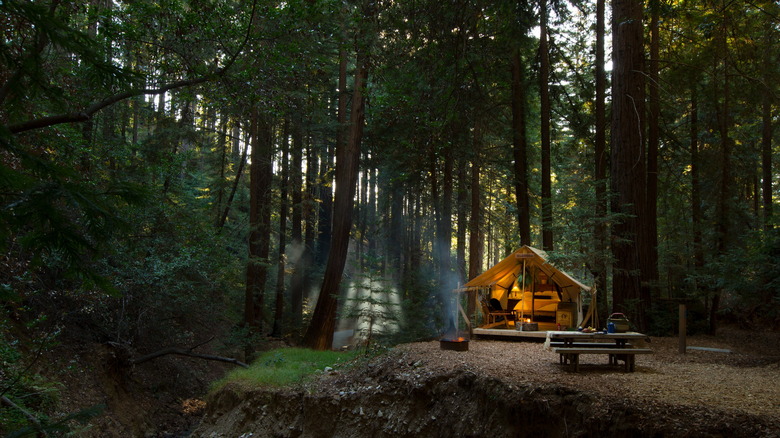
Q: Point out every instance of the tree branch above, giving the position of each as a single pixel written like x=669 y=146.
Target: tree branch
x=87 y=113
x=189 y=353
x=29 y=416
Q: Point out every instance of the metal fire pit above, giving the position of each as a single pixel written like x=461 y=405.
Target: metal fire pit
x=454 y=344
x=530 y=326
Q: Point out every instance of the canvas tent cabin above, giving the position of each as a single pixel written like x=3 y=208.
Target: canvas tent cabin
x=533 y=289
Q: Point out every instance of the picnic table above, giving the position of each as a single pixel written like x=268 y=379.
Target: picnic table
x=617 y=346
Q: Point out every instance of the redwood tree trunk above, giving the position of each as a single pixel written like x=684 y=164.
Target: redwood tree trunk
x=259 y=221
x=296 y=228
x=766 y=157
x=283 y=208
x=475 y=235
x=627 y=158
x=320 y=333
x=462 y=207
x=696 y=213
x=324 y=207
x=445 y=233
x=600 y=143
x=520 y=150
x=544 y=96
x=650 y=251
x=725 y=197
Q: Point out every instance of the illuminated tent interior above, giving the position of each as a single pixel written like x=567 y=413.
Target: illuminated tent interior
x=532 y=288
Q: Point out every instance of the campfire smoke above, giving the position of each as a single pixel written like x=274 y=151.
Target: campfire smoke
x=452 y=339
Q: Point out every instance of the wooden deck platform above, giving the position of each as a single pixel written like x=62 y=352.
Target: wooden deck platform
x=510 y=334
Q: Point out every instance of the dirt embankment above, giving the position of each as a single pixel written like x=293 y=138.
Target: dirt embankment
x=500 y=389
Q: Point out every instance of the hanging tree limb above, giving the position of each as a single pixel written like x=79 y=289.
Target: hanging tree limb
x=187 y=352
x=29 y=416
x=86 y=113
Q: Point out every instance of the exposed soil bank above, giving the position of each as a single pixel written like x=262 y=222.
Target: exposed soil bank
x=401 y=395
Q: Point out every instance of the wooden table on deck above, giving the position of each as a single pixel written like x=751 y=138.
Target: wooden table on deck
x=618 y=346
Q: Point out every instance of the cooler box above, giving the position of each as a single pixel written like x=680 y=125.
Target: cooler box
x=564 y=315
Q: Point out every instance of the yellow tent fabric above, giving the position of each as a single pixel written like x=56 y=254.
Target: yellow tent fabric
x=504 y=273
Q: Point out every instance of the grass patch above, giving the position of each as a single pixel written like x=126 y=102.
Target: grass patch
x=284 y=366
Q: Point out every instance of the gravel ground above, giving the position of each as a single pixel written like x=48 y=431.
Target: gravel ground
x=746 y=380
x=507 y=388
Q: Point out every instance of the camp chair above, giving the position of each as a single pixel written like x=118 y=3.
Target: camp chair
x=494 y=313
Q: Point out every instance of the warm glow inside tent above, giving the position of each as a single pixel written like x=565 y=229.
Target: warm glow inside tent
x=533 y=288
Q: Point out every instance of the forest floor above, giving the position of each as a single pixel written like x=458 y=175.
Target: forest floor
x=700 y=393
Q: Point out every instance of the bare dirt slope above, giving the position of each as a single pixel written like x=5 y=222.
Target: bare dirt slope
x=501 y=388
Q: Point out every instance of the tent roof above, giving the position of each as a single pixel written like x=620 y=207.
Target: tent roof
x=506 y=271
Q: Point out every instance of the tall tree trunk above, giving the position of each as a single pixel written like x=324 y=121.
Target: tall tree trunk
x=766 y=156
x=650 y=250
x=476 y=244
x=283 y=209
x=259 y=221
x=724 y=197
x=463 y=207
x=371 y=211
x=310 y=209
x=600 y=144
x=433 y=172
x=544 y=96
x=324 y=207
x=233 y=189
x=445 y=234
x=414 y=257
x=520 y=150
x=362 y=206
x=627 y=158
x=236 y=135
x=223 y=155
x=296 y=228
x=320 y=333
x=696 y=213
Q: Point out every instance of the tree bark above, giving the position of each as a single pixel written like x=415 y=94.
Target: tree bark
x=600 y=145
x=650 y=250
x=396 y=228
x=766 y=156
x=520 y=150
x=725 y=194
x=627 y=158
x=283 y=210
x=544 y=96
x=319 y=336
x=445 y=233
x=324 y=207
x=259 y=221
x=476 y=243
x=234 y=188
x=696 y=213
x=296 y=228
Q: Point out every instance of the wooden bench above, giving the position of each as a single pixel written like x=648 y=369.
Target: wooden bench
x=556 y=344
x=571 y=355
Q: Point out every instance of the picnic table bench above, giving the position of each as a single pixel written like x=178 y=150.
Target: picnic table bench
x=570 y=345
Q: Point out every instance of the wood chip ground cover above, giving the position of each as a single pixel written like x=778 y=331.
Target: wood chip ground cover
x=697 y=394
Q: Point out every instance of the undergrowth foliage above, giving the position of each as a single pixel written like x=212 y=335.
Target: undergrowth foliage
x=282 y=367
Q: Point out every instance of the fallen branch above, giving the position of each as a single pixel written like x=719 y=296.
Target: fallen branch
x=189 y=353
x=30 y=417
